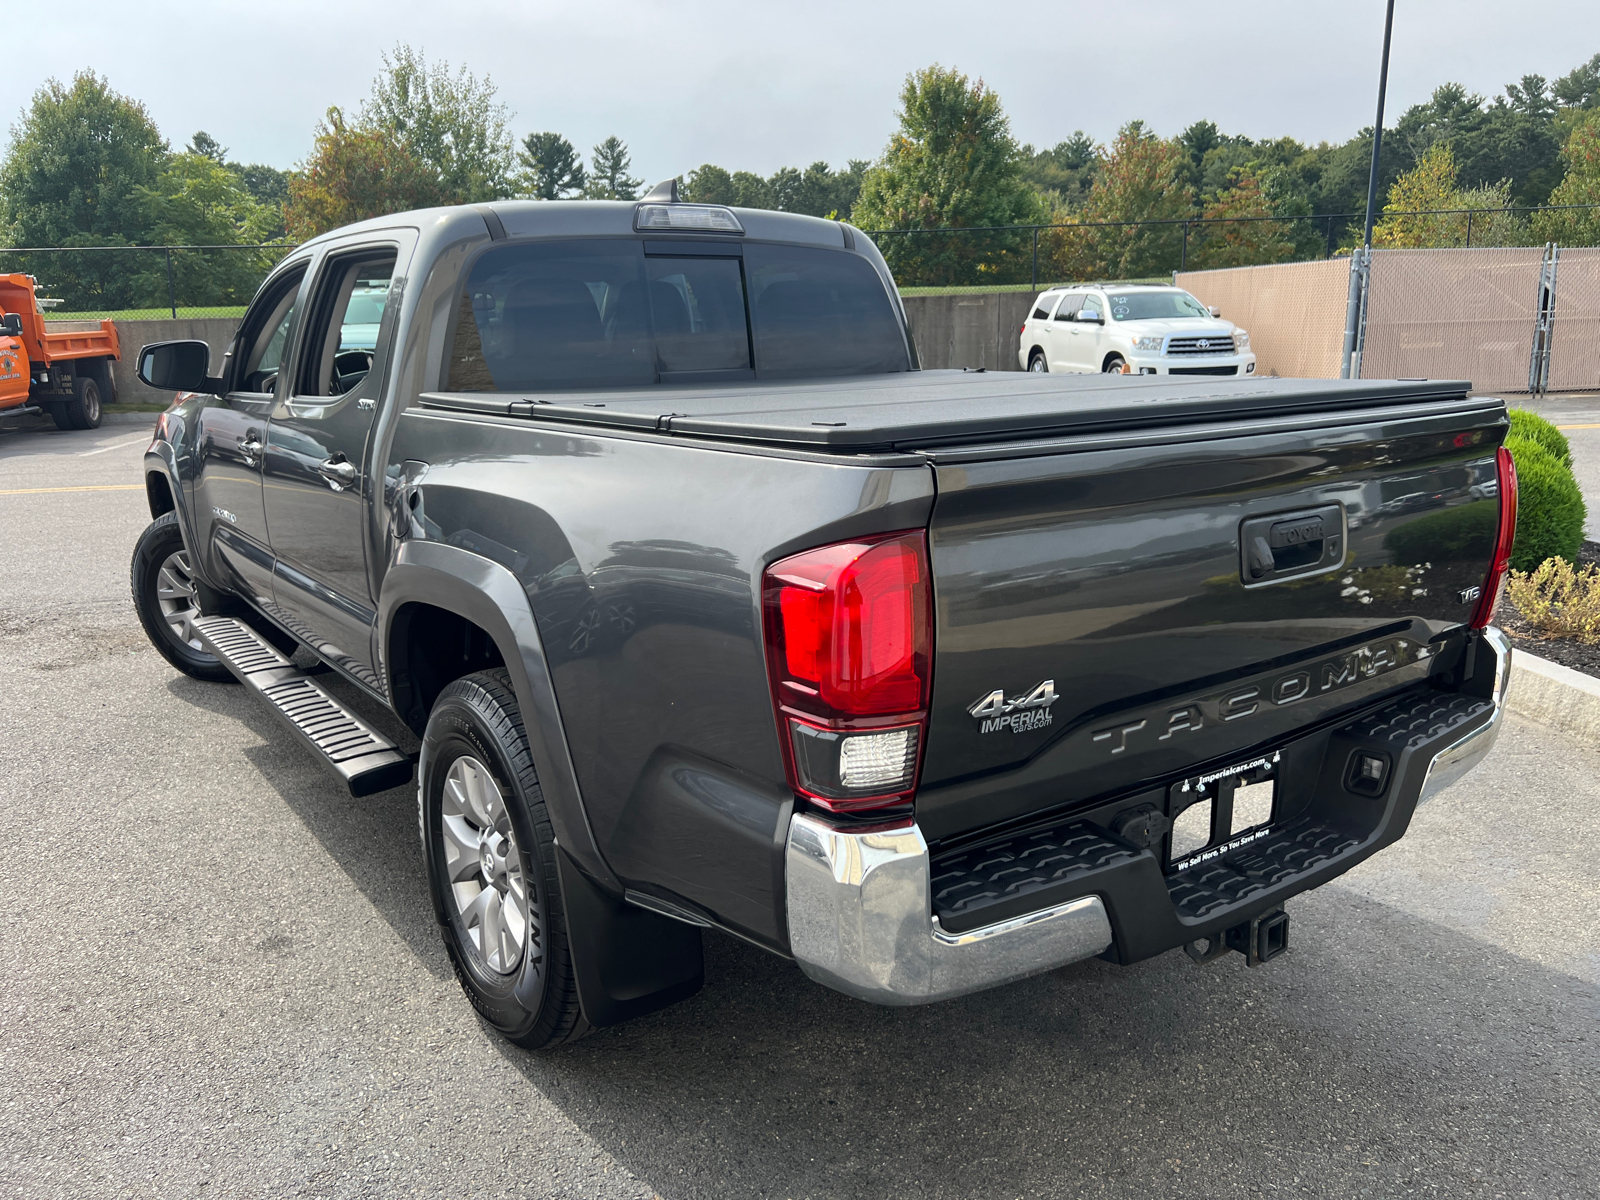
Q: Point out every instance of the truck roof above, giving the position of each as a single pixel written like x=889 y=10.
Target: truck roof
x=920 y=409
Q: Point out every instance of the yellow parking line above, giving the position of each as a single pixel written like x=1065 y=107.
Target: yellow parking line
x=1578 y=426
x=102 y=487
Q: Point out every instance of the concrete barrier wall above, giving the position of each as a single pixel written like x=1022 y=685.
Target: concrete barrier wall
x=216 y=332
x=972 y=329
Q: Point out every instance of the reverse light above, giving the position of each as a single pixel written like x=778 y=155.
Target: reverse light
x=848 y=630
x=704 y=218
x=1505 y=536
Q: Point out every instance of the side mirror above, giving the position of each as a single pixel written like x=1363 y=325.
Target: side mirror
x=11 y=324
x=1216 y=312
x=176 y=366
x=1085 y=315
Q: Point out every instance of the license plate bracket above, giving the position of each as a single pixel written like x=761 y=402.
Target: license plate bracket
x=1219 y=811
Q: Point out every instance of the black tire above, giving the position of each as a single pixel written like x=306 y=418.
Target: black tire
x=59 y=414
x=1038 y=364
x=158 y=547
x=1115 y=364
x=83 y=410
x=534 y=1003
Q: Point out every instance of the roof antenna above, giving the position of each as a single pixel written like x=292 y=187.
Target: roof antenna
x=665 y=192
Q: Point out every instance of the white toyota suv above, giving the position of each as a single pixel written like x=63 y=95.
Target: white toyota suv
x=1133 y=329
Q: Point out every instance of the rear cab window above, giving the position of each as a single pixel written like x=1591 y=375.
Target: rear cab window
x=621 y=312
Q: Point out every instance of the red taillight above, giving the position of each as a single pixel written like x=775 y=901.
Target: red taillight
x=1505 y=536
x=849 y=648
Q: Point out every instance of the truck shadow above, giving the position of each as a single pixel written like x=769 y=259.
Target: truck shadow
x=373 y=839
x=1379 y=1055
x=1382 y=1054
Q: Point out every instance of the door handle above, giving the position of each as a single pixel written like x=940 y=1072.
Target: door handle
x=250 y=447
x=338 y=471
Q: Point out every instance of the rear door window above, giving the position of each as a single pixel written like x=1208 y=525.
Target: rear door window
x=1069 y=306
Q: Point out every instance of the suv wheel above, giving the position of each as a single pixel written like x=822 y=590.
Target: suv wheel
x=166 y=595
x=1037 y=363
x=490 y=857
x=1115 y=365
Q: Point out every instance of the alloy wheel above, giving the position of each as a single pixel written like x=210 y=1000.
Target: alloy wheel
x=484 y=868
x=179 y=598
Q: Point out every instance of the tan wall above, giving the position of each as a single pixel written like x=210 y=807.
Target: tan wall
x=1454 y=314
x=1575 y=339
x=1294 y=312
x=216 y=332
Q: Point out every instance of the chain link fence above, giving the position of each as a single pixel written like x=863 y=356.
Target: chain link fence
x=1294 y=312
x=1039 y=255
x=1575 y=329
x=133 y=283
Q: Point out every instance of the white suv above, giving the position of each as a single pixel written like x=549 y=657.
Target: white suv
x=1133 y=329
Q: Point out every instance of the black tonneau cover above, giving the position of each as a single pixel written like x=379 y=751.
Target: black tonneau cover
x=932 y=408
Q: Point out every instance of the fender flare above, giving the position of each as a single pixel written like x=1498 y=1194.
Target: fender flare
x=482 y=591
x=162 y=459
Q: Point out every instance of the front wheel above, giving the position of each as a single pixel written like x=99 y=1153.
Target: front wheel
x=490 y=856
x=1115 y=365
x=166 y=595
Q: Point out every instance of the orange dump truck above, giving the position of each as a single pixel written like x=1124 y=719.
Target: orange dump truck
x=67 y=375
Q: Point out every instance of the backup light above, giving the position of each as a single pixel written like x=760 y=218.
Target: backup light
x=703 y=218
x=1504 y=538
x=848 y=630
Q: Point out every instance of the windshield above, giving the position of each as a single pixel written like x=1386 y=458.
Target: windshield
x=605 y=313
x=1156 y=306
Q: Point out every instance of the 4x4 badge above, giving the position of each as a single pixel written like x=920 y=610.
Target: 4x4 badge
x=1020 y=714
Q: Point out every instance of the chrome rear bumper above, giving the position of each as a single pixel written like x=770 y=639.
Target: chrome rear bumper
x=1455 y=760
x=861 y=921
x=860 y=908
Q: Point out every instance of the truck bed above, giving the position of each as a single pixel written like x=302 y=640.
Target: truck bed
x=928 y=409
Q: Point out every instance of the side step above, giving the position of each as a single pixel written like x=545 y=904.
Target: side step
x=358 y=754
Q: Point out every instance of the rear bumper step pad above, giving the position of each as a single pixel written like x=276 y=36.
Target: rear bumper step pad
x=363 y=758
x=1151 y=910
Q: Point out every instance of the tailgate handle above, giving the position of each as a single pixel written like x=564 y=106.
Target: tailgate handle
x=1289 y=544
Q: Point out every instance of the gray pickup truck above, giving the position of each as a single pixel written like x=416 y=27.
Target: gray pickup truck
x=712 y=611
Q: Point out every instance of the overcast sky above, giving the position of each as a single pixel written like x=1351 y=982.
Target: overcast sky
x=757 y=86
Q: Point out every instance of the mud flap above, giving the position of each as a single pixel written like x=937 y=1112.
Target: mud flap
x=628 y=961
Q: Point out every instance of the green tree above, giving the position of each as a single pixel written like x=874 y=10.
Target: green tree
x=354 y=173
x=71 y=177
x=267 y=186
x=1241 y=238
x=449 y=122
x=608 y=172
x=751 y=191
x=709 y=184
x=1418 y=214
x=201 y=201
x=76 y=158
x=1580 y=87
x=1140 y=189
x=952 y=164
x=1580 y=185
x=1063 y=174
x=552 y=169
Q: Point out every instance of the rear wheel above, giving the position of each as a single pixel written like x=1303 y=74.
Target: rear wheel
x=166 y=595
x=490 y=856
x=1037 y=363
x=83 y=410
x=1115 y=364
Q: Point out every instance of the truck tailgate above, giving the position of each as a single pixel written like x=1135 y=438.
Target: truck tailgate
x=1119 y=609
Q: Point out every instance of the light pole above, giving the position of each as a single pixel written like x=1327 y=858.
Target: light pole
x=1361 y=259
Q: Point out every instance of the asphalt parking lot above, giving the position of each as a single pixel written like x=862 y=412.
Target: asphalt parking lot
x=221 y=977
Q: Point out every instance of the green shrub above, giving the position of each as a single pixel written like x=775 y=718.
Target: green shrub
x=1525 y=424
x=1550 y=508
x=1464 y=532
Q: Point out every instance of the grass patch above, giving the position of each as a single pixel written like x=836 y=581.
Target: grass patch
x=148 y=314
